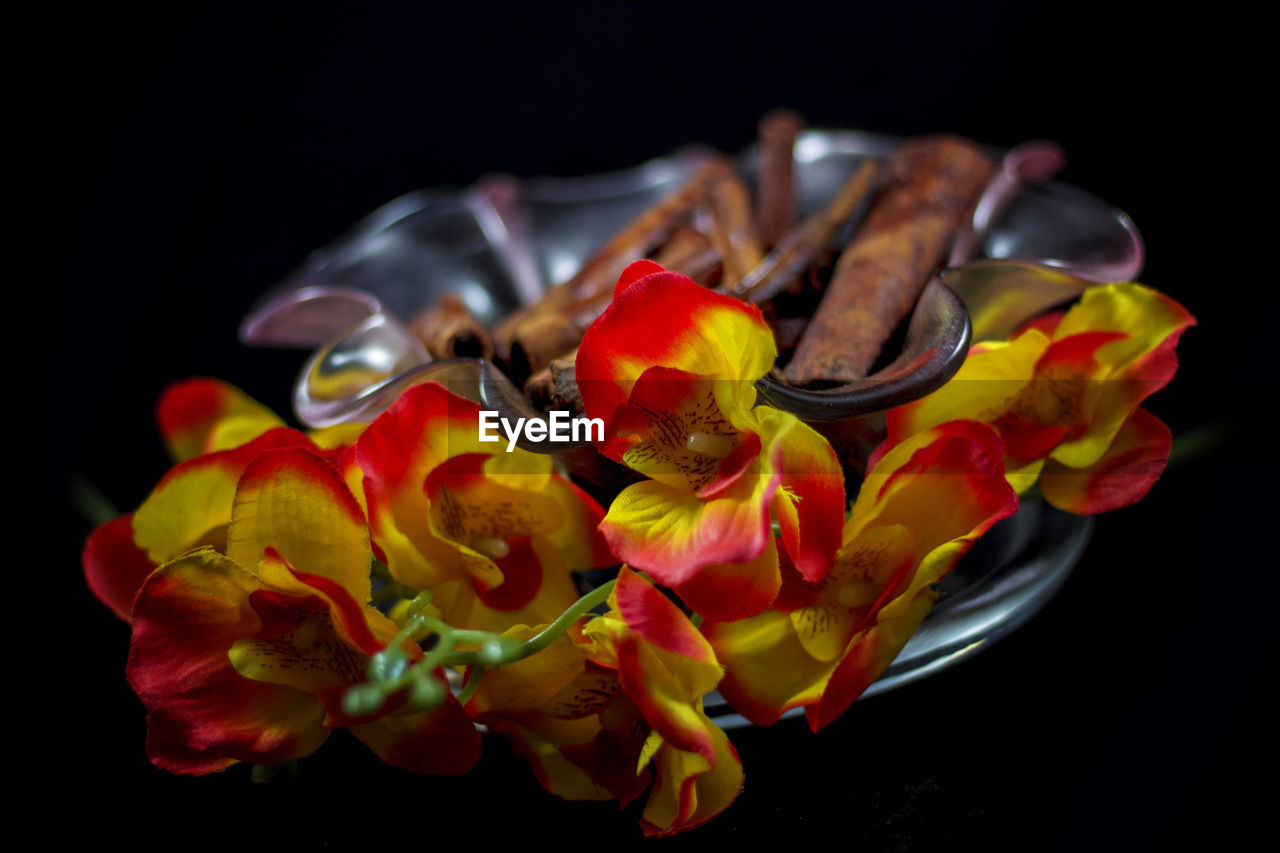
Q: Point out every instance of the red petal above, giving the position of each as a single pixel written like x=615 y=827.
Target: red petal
x=189 y=410
x=864 y=663
x=442 y=742
x=666 y=319
x=795 y=592
x=635 y=271
x=1124 y=474
x=171 y=754
x=1046 y=323
x=728 y=591
x=656 y=619
x=114 y=567
x=187 y=616
x=522 y=573
x=610 y=758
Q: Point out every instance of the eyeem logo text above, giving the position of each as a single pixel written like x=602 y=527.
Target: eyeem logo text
x=559 y=426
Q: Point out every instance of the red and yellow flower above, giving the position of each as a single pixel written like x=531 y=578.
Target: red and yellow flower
x=246 y=573
x=245 y=655
x=921 y=506
x=616 y=707
x=188 y=508
x=1065 y=395
x=548 y=701
x=669 y=367
x=213 y=431
x=493 y=535
x=200 y=416
x=664 y=667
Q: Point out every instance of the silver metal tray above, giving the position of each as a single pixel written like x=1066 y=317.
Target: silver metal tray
x=502 y=242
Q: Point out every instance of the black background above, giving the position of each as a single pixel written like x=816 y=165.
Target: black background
x=198 y=154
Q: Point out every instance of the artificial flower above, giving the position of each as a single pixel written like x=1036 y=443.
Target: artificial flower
x=203 y=415
x=493 y=535
x=213 y=431
x=549 y=701
x=664 y=668
x=189 y=507
x=1064 y=395
x=822 y=644
x=245 y=655
x=616 y=707
x=669 y=367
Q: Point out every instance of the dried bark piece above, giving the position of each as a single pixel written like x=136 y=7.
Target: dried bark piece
x=522 y=340
x=733 y=229
x=448 y=330
x=804 y=246
x=930 y=185
x=555 y=386
x=691 y=253
x=688 y=251
x=776 y=183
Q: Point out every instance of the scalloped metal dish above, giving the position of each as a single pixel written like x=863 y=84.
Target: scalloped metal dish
x=499 y=244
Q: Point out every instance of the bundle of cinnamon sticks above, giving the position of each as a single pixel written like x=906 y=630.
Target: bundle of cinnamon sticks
x=831 y=322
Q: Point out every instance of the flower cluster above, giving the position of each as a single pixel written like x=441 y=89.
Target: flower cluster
x=281 y=585
x=1065 y=394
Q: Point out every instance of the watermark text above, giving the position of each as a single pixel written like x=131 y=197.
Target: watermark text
x=559 y=426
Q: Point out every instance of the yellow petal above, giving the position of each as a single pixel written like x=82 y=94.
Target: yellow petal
x=528 y=684
x=863 y=571
x=991 y=377
x=297 y=503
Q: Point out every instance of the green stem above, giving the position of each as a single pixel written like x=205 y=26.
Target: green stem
x=474 y=676
x=436 y=656
x=553 y=631
x=385 y=677
x=422 y=670
x=542 y=639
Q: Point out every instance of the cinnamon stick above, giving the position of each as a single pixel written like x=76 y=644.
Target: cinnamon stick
x=689 y=252
x=517 y=338
x=547 y=335
x=555 y=386
x=807 y=244
x=733 y=230
x=541 y=338
x=931 y=183
x=448 y=330
x=776 y=188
